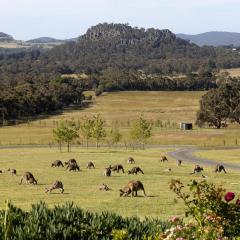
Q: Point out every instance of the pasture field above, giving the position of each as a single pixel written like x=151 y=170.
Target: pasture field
x=233 y=72
x=82 y=187
x=224 y=156
x=165 y=109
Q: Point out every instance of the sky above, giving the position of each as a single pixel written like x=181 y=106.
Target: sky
x=28 y=19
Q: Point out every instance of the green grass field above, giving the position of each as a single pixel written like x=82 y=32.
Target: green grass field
x=82 y=187
x=122 y=108
x=225 y=156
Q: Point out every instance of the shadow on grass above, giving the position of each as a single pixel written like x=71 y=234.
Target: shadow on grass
x=58 y=193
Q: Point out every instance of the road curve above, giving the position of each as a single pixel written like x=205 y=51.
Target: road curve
x=187 y=154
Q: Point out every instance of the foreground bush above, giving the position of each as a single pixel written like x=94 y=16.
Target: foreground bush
x=214 y=214
x=71 y=222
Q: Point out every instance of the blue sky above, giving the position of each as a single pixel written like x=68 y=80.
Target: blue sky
x=27 y=19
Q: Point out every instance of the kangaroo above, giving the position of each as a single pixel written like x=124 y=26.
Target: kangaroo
x=197 y=169
x=107 y=172
x=167 y=170
x=163 y=159
x=130 y=160
x=117 y=168
x=70 y=161
x=132 y=187
x=135 y=170
x=220 y=168
x=57 y=163
x=73 y=167
x=179 y=162
x=56 y=185
x=104 y=187
x=90 y=165
x=29 y=178
x=13 y=171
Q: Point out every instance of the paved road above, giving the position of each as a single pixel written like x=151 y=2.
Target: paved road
x=186 y=154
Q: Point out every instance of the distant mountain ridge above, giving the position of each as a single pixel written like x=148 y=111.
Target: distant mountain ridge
x=44 y=40
x=5 y=37
x=213 y=38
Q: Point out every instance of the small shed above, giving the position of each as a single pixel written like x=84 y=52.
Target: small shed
x=186 y=126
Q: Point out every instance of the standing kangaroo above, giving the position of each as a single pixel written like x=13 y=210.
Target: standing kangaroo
x=163 y=159
x=135 y=170
x=132 y=187
x=179 y=162
x=107 y=172
x=57 y=163
x=117 y=168
x=56 y=185
x=13 y=171
x=29 y=178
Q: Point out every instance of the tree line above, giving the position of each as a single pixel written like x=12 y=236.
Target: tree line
x=114 y=79
x=93 y=128
x=29 y=99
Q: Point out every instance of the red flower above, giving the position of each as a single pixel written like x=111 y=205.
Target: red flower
x=238 y=202
x=229 y=196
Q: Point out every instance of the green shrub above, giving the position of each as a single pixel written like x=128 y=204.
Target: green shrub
x=71 y=222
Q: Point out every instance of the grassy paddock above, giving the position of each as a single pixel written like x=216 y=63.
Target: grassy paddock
x=82 y=187
x=122 y=108
x=233 y=72
x=225 y=156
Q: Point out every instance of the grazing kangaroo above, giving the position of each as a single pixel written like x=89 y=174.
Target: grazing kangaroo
x=179 y=162
x=220 y=168
x=197 y=169
x=135 y=170
x=29 y=178
x=56 y=185
x=73 y=167
x=130 y=160
x=13 y=171
x=90 y=165
x=57 y=163
x=132 y=187
x=71 y=161
x=104 y=187
x=107 y=172
x=163 y=159
x=117 y=168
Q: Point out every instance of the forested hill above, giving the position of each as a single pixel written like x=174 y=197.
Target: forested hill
x=119 y=45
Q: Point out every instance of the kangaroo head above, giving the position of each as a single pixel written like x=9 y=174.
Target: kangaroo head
x=121 y=192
